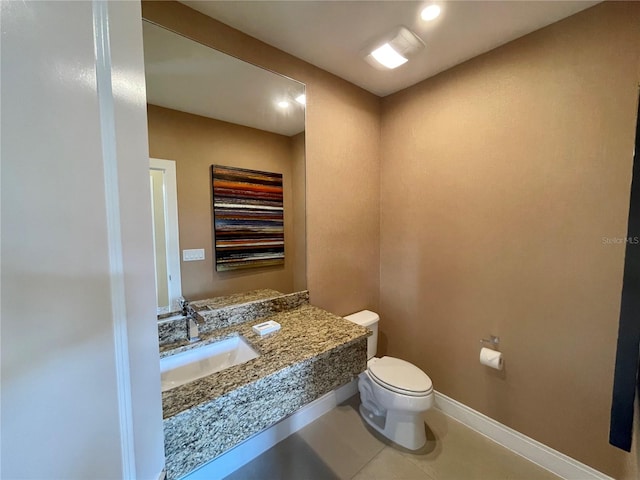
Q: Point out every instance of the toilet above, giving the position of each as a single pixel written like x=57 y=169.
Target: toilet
x=394 y=393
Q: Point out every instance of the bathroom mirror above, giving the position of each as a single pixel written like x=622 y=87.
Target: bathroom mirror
x=208 y=108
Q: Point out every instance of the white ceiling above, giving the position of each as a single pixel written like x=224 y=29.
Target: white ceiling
x=184 y=75
x=333 y=34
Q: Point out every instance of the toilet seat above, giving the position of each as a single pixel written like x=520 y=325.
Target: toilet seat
x=400 y=376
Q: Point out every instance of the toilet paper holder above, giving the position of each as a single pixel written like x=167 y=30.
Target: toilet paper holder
x=493 y=341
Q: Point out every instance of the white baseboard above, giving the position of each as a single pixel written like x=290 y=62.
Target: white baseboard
x=534 y=451
x=251 y=448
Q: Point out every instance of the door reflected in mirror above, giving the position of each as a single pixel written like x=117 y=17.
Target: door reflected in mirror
x=164 y=212
x=205 y=108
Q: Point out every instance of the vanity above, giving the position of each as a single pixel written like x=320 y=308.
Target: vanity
x=313 y=353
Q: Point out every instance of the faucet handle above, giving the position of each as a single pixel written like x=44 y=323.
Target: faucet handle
x=192 y=330
x=182 y=304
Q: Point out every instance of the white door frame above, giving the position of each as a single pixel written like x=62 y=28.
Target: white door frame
x=168 y=167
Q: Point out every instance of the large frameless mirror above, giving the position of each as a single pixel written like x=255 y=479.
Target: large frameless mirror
x=207 y=108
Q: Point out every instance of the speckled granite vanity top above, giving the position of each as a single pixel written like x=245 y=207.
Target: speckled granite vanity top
x=234 y=299
x=306 y=332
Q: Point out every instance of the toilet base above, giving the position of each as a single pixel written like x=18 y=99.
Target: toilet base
x=404 y=428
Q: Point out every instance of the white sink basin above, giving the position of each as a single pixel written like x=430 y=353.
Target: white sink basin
x=199 y=362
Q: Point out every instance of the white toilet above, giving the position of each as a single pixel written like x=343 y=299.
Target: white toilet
x=394 y=393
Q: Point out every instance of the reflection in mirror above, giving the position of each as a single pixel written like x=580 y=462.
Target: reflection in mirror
x=159 y=240
x=164 y=213
x=205 y=108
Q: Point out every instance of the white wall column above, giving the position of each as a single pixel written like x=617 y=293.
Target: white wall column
x=80 y=376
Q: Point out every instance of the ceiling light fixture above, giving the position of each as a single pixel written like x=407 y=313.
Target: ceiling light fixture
x=283 y=104
x=430 y=13
x=388 y=57
x=301 y=99
x=394 y=49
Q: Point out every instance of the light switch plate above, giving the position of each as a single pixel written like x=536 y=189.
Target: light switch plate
x=193 y=254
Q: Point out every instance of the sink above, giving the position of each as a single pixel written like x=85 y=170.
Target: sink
x=185 y=367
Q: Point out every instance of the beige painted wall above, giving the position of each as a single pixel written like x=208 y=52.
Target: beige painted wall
x=500 y=179
x=342 y=162
x=195 y=143
x=512 y=168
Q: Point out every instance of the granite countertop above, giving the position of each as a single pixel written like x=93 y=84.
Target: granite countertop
x=306 y=332
x=234 y=299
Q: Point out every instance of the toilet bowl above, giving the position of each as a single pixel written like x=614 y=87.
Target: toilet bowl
x=394 y=392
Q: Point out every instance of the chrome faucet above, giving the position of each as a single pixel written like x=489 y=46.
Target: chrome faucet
x=183 y=304
x=193 y=320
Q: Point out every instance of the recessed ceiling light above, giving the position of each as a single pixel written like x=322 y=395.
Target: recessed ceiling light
x=430 y=13
x=301 y=99
x=388 y=57
x=283 y=104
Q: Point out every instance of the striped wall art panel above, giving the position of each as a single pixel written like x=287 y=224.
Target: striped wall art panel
x=248 y=218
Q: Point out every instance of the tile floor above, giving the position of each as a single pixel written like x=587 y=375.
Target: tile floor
x=339 y=446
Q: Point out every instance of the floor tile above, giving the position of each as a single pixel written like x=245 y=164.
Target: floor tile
x=339 y=445
x=291 y=459
x=455 y=452
x=341 y=440
x=390 y=464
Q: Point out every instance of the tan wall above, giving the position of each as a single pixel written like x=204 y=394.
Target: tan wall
x=512 y=168
x=342 y=162
x=500 y=178
x=195 y=143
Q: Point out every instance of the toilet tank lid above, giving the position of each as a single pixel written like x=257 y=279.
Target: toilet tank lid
x=364 y=318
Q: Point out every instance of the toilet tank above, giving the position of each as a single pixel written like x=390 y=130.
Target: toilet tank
x=368 y=319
